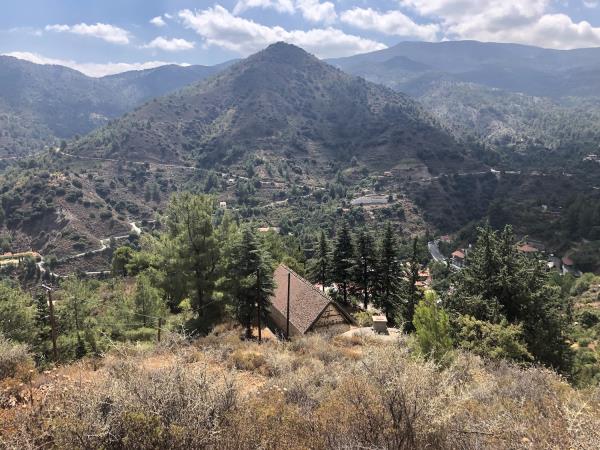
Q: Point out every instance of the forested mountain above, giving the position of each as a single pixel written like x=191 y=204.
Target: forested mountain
x=507 y=96
x=40 y=104
x=518 y=68
x=281 y=102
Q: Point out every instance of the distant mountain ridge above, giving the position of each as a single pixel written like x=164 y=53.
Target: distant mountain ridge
x=40 y=104
x=507 y=96
x=518 y=68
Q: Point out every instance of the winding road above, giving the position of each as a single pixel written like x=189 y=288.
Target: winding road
x=104 y=244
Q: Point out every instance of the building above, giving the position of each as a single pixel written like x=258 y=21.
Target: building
x=267 y=229
x=310 y=309
x=370 y=200
x=458 y=258
x=568 y=266
x=528 y=249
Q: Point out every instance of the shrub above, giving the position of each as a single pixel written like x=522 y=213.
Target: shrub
x=432 y=327
x=491 y=340
x=247 y=360
x=15 y=359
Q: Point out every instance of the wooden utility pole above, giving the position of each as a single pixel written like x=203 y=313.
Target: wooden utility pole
x=159 y=329
x=287 y=323
x=258 y=303
x=52 y=323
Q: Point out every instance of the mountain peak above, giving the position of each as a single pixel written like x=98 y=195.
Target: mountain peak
x=282 y=52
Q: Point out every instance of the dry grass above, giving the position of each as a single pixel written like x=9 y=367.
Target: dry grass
x=317 y=392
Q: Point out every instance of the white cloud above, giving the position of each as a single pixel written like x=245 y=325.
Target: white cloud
x=170 y=45
x=391 y=22
x=311 y=10
x=90 y=69
x=106 y=32
x=282 y=6
x=218 y=27
x=315 y=11
x=158 y=21
x=590 y=3
x=526 y=22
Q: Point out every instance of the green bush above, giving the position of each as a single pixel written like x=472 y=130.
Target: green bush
x=140 y=334
x=432 y=327
x=491 y=340
x=15 y=359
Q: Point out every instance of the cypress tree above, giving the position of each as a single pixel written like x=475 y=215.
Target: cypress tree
x=388 y=280
x=248 y=262
x=343 y=260
x=321 y=269
x=500 y=284
x=411 y=293
x=364 y=266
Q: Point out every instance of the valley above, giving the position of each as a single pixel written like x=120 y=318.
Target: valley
x=397 y=249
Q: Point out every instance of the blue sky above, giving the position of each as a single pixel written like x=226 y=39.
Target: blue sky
x=100 y=37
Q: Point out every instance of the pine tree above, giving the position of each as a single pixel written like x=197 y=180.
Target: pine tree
x=432 y=327
x=364 y=266
x=149 y=304
x=321 y=268
x=196 y=247
x=500 y=283
x=388 y=281
x=411 y=292
x=343 y=260
x=250 y=280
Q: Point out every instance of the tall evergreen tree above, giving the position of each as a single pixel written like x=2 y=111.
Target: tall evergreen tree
x=501 y=283
x=411 y=292
x=389 y=272
x=191 y=231
x=343 y=256
x=364 y=266
x=149 y=302
x=321 y=267
x=250 y=280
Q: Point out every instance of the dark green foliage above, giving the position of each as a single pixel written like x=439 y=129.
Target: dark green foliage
x=196 y=248
x=411 y=294
x=17 y=314
x=249 y=280
x=432 y=328
x=364 y=267
x=388 y=286
x=321 y=265
x=500 y=283
x=343 y=260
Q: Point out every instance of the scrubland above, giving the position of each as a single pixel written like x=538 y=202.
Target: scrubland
x=317 y=392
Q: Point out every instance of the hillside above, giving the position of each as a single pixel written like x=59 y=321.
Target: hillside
x=519 y=122
x=281 y=102
x=40 y=104
x=315 y=392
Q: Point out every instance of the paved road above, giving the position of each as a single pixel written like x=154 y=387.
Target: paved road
x=435 y=252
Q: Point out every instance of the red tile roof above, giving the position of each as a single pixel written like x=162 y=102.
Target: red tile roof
x=458 y=254
x=306 y=301
x=567 y=261
x=527 y=248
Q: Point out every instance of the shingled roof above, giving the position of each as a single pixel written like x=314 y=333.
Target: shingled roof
x=307 y=303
